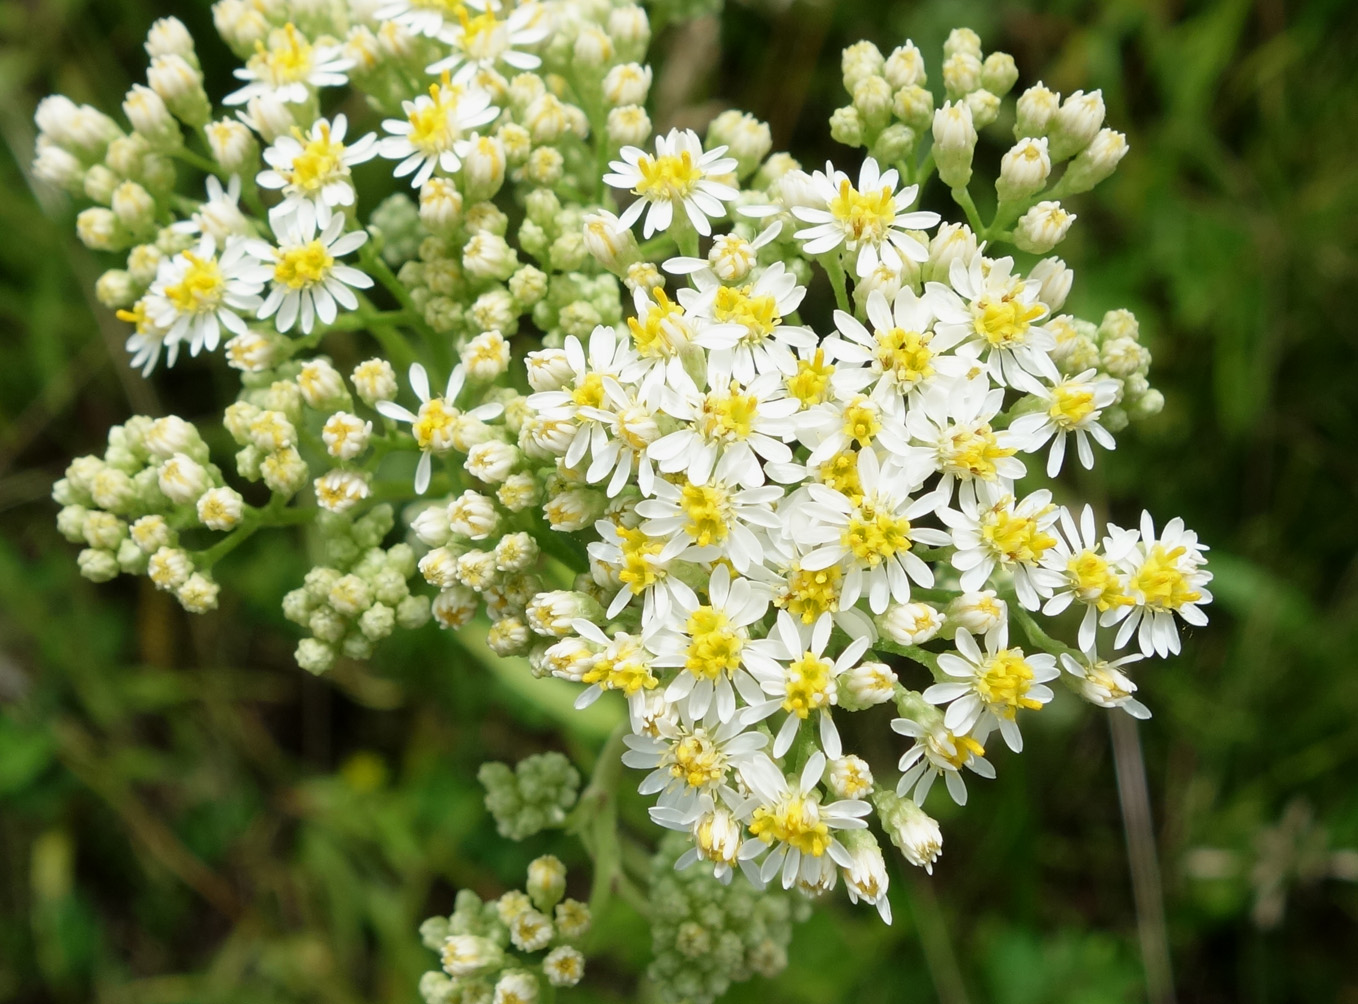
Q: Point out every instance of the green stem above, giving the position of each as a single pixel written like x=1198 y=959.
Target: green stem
x=196 y=160
x=962 y=196
x=835 y=270
x=1034 y=632
x=379 y=270
x=923 y=656
x=275 y=513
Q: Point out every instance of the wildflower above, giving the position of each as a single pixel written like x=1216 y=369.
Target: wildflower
x=1104 y=683
x=435 y=425
x=1165 y=576
x=480 y=42
x=312 y=169
x=308 y=281
x=680 y=172
x=289 y=69
x=431 y=135
x=197 y=293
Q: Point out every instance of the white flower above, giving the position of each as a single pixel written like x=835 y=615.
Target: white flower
x=707 y=643
x=991 y=687
x=435 y=427
x=198 y=292
x=680 y=172
x=745 y=330
x=220 y=216
x=1089 y=572
x=308 y=282
x=871 y=537
x=433 y=132
x=289 y=69
x=791 y=821
x=1165 y=576
x=866 y=878
x=423 y=17
x=482 y=41
x=992 y=529
x=939 y=752
x=717 y=514
x=312 y=170
x=691 y=757
x=791 y=666
x=1072 y=406
x=1103 y=683
x=952 y=426
x=869 y=220
x=640 y=564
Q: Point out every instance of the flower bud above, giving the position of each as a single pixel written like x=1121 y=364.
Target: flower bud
x=610 y=243
x=339 y=491
x=985 y=107
x=284 y=471
x=550 y=614
x=630 y=30
x=872 y=98
x=905 y=67
x=169 y=568
x=149 y=116
x=976 y=613
x=998 y=73
x=564 y=966
x=58 y=167
x=910 y=623
x=440 y=206
x=269 y=117
x=321 y=385
x=345 y=435
x=473 y=515
x=954 y=143
x=865 y=685
x=627 y=84
x=182 y=479
x=97 y=565
x=470 y=955
x=745 y=137
x=1075 y=124
x=1042 y=228
x=180 y=86
x=169 y=37
x=233 y=146
x=220 y=508
x=961 y=75
x=1095 y=162
x=911 y=829
x=1023 y=170
x=1056 y=280
x=492 y=461
x=115 y=289
x=849 y=777
x=962 y=40
x=546 y=882
x=846 y=126
x=483 y=167
x=375 y=381
x=628 y=125
x=860 y=60
x=1036 y=106
x=894 y=143
x=98 y=229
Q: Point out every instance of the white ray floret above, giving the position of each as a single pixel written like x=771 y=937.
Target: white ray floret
x=680 y=175
x=309 y=281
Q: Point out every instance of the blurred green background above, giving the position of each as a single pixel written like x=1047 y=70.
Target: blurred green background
x=186 y=816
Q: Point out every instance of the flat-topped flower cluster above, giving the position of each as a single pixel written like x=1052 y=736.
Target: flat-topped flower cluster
x=651 y=471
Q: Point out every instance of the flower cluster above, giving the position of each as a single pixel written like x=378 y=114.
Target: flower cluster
x=486 y=948
x=535 y=794
x=650 y=466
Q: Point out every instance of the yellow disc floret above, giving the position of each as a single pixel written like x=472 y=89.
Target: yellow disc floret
x=319 y=163
x=1095 y=582
x=794 y=821
x=1072 y=404
x=971 y=452
x=697 y=760
x=1004 y=322
x=1161 y=582
x=758 y=315
x=1003 y=683
x=875 y=534
x=810 y=685
x=1015 y=539
x=303 y=266
x=653 y=335
x=863 y=215
x=638 y=573
x=905 y=355
x=201 y=289
x=861 y=423
x=811 y=380
x=705 y=506
x=728 y=414
x=433 y=426
x=811 y=593
x=667 y=179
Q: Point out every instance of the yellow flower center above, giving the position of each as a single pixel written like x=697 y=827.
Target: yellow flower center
x=1071 y=404
x=729 y=414
x=812 y=379
x=433 y=426
x=972 y=452
x=794 y=821
x=668 y=178
x=589 y=393
x=875 y=534
x=963 y=748
x=320 y=161
x=715 y=647
x=863 y=215
x=705 y=507
x=201 y=289
x=840 y=472
x=639 y=574
x=1004 y=322
x=860 y=421
x=432 y=129
x=652 y=334
x=1014 y=538
x=905 y=355
x=812 y=593
x=625 y=669
x=757 y=314
x=1094 y=582
x=809 y=685
x=1004 y=681
x=1161 y=582
x=303 y=266
x=288 y=63
x=698 y=761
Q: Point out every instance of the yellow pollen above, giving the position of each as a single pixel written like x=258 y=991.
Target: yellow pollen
x=651 y=335
x=668 y=178
x=474 y=27
x=863 y=215
x=794 y=821
x=1072 y=403
x=963 y=748
x=698 y=761
x=860 y=421
x=705 y=507
x=1004 y=681
x=715 y=648
x=875 y=534
x=728 y=415
x=905 y=355
x=300 y=267
x=318 y=163
x=624 y=670
x=288 y=63
x=840 y=472
x=637 y=573
x=810 y=686
x=812 y=379
x=432 y=129
x=433 y=426
x=590 y=392
x=201 y=289
x=1161 y=582
x=1014 y=538
x=1095 y=582
x=972 y=452
x=757 y=314
x=810 y=594
x=1005 y=322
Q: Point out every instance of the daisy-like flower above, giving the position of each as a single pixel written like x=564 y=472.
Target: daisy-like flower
x=870 y=221
x=425 y=17
x=434 y=132
x=147 y=339
x=689 y=758
x=939 y=752
x=487 y=39
x=199 y=292
x=852 y=422
x=718 y=514
x=435 y=425
x=581 y=398
x=622 y=663
x=730 y=424
x=308 y=280
x=790 y=821
x=792 y=667
x=746 y=334
x=902 y=355
x=998 y=313
x=1089 y=571
x=630 y=417
x=808 y=593
x=219 y=217
x=289 y=69
x=706 y=642
x=1070 y=407
x=992 y=529
x=1165 y=576
x=640 y=564
x=662 y=332
x=718 y=833
x=987 y=689
x=871 y=539
x=312 y=169
x=679 y=172
x=1104 y=683
x=951 y=424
